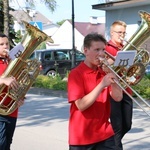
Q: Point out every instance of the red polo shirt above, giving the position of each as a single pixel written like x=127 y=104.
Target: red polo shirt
x=112 y=48
x=91 y=125
x=3 y=66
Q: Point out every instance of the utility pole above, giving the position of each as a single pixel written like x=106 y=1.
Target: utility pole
x=73 y=38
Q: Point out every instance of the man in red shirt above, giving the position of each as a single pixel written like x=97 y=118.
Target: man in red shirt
x=7 y=122
x=89 y=89
x=121 y=112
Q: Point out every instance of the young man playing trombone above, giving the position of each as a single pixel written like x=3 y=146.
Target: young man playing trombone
x=89 y=89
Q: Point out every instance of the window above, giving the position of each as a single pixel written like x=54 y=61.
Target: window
x=60 y=55
x=48 y=55
x=79 y=56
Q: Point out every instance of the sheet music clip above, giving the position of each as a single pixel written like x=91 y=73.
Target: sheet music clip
x=125 y=58
x=16 y=51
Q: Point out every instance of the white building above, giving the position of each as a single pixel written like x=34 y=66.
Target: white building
x=63 y=36
x=32 y=16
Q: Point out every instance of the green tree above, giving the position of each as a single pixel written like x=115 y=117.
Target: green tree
x=1 y=16
x=6 y=20
x=18 y=37
x=6 y=25
x=50 y=4
x=61 y=22
x=42 y=46
x=6 y=16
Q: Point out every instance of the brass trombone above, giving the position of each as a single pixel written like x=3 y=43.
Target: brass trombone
x=124 y=81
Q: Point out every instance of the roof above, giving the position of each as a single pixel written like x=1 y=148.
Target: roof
x=24 y=15
x=118 y=4
x=86 y=27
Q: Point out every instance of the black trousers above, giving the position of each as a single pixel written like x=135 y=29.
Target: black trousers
x=7 y=128
x=121 y=118
x=108 y=144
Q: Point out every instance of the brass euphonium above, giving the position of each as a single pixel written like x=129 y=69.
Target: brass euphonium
x=132 y=75
x=25 y=71
x=135 y=73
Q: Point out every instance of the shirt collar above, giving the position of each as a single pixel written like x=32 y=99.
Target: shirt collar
x=4 y=60
x=114 y=45
x=89 y=70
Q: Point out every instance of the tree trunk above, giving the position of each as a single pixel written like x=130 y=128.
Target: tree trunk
x=6 y=16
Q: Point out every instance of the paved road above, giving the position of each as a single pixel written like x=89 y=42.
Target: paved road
x=43 y=125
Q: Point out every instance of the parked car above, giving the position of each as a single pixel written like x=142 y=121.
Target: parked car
x=56 y=61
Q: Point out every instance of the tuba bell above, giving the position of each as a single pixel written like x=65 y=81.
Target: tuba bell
x=25 y=71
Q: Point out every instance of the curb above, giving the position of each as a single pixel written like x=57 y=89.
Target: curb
x=48 y=92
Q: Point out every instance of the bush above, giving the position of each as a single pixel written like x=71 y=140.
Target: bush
x=49 y=82
x=56 y=83
x=143 y=88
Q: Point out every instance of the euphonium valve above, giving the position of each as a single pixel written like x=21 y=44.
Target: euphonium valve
x=25 y=71
x=130 y=74
x=135 y=73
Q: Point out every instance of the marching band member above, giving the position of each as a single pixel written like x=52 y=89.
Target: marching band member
x=121 y=112
x=7 y=122
x=89 y=89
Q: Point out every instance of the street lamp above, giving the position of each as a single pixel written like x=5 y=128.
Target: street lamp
x=73 y=38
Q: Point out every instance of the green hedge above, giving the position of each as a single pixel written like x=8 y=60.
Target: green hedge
x=56 y=83
x=143 y=88
x=49 y=82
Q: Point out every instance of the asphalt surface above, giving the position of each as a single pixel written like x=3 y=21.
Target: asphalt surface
x=43 y=124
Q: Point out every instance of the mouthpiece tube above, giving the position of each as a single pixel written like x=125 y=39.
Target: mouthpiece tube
x=128 y=42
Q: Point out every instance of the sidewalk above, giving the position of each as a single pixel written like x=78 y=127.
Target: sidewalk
x=43 y=124
x=48 y=92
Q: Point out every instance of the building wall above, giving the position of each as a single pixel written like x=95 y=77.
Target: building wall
x=63 y=37
x=50 y=29
x=129 y=15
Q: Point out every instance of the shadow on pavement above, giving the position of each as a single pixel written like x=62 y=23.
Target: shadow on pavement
x=41 y=110
x=138 y=137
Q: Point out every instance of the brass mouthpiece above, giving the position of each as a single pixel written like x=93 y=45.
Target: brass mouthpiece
x=101 y=58
x=122 y=39
x=6 y=50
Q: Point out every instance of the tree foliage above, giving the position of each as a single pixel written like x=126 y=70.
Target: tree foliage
x=7 y=27
x=50 y=4
x=6 y=20
x=6 y=16
x=61 y=22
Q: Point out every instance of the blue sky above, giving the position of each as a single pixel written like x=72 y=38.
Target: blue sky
x=82 y=10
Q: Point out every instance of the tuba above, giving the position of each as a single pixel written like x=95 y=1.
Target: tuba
x=25 y=71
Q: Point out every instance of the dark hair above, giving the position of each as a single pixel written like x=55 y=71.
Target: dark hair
x=89 y=38
x=3 y=35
